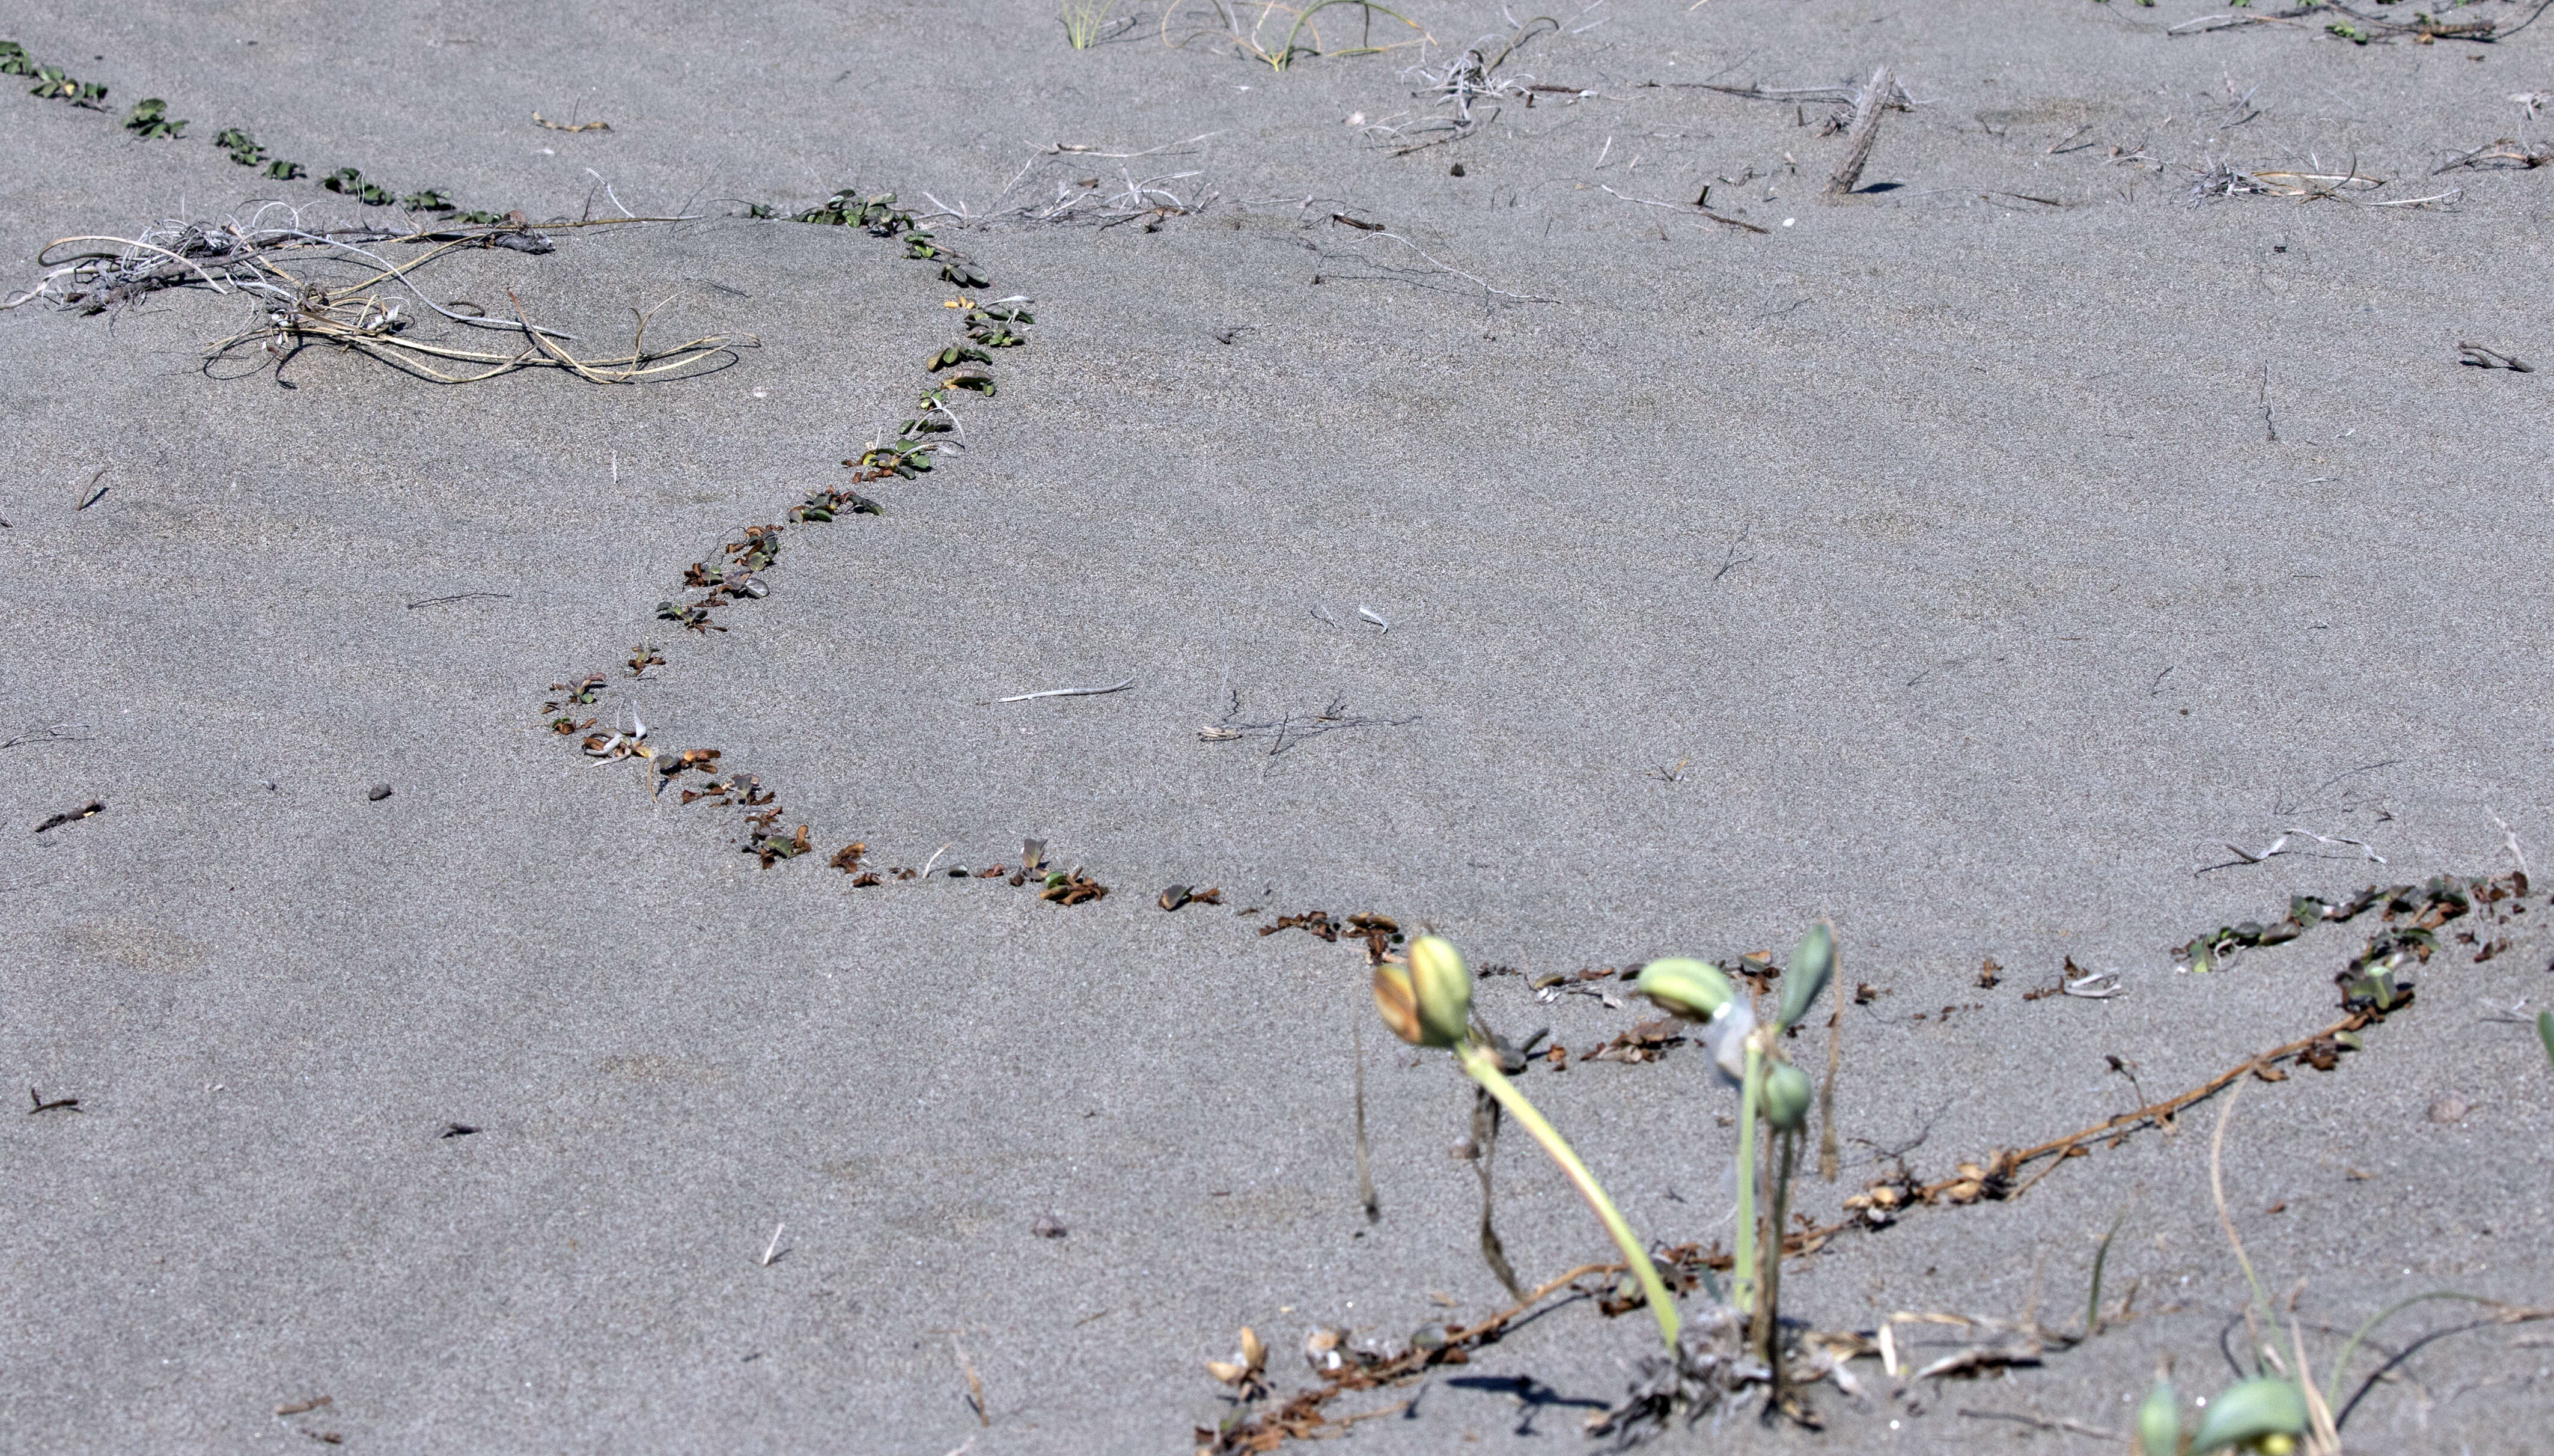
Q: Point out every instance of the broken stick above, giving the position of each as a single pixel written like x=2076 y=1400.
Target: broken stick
x=1866 y=131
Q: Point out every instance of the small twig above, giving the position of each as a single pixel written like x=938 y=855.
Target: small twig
x=461 y=597
x=2068 y=1426
x=1473 y=279
x=1069 y=692
x=1366 y=1196
x=1730 y=560
x=60 y=732
x=1371 y=614
x=975 y=1383
x=774 y=1251
x=1067 y=149
x=2202 y=24
x=2478 y=357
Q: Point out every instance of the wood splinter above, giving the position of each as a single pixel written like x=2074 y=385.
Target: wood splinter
x=1866 y=131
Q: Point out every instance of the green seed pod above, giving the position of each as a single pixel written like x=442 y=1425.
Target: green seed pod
x=1444 y=985
x=1693 y=989
x=2159 y=1420
x=2253 y=1410
x=1813 y=961
x=1787 y=1095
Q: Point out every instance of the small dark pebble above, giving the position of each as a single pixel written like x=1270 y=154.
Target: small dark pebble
x=1175 y=897
x=1048 y=1226
x=1456 y=171
x=456 y=1130
x=377 y=793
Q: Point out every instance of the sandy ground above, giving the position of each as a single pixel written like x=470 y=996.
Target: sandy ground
x=1967 y=560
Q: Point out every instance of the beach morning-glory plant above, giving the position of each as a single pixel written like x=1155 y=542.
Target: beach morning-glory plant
x=1771 y=1090
x=1428 y=1002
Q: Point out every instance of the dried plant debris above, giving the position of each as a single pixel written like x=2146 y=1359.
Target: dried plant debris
x=1996 y=1177
x=2421 y=908
x=1070 y=887
x=738 y=572
x=39 y=1102
x=1648 y=1041
x=50 y=733
x=2356 y=27
x=1177 y=896
x=2220 y=178
x=1292 y=731
x=1279 y=35
x=1467 y=91
x=1348 y=1364
x=341 y=287
x=733 y=574
x=2475 y=356
x=765 y=842
x=90 y=810
x=2501 y=152
x=1313 y=922
x=1713 y=1365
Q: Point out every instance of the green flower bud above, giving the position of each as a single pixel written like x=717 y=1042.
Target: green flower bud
x=1787 y=1096
x=1443 y=986
x=2159 y=1420
x=1813 y=961
x=2256 y=1410
x=1693 y=989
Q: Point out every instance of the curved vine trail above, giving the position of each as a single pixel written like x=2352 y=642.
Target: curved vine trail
x=1517 y=548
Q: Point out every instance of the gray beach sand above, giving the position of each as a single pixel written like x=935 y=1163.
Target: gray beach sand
x=1969 y=560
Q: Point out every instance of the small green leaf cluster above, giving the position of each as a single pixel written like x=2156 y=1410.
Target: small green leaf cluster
x=347 y=181
x=149 y=120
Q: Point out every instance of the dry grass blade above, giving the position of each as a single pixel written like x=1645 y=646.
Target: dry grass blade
x=1249 y=25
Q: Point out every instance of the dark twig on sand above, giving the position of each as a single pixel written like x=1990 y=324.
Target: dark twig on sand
x=2478 y=357
x=1368 y=1198
x=50 y=732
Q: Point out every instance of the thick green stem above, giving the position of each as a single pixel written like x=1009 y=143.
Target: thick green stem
x=1742 y=1263
x=1482 y=1066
